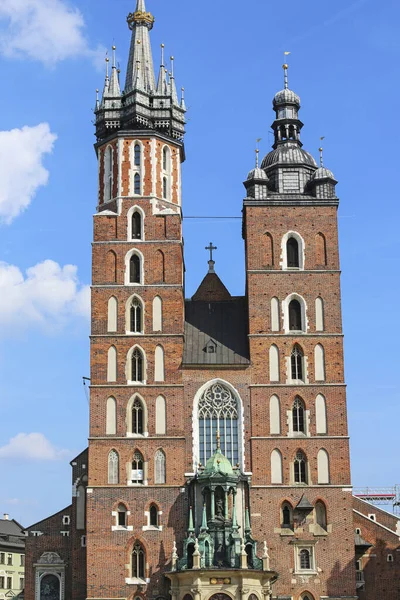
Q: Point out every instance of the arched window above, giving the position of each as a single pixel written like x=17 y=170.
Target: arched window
x=134 y=269
x=137 y=366
x=137 y=155
x=319 y=314
x=320 y=415
x=298 y=414
x=307 y=596
x=218 y=411
x=111 y=420
x=153 y=515
x=137 y=468
x=165 y=188
x=159 y=467
x=305 y=559
x=276 y=467
x=122 y=515
x=274 y=415
x=295 y=322
x=136 y=316
x=292 y=253
x=323 y=466
x=112 y=364
x=138 y=562
x=160 y=416
x=137 y=185
x=112 y=315
x=296 y=363
x=274 y=363
x=300 y=468
x=319 y=361
x=159 y=369
x=111 y=267
x=137 y=417
x=136 y=225
x=320 y=250
x=50 y=587
x=108 y=174
x=166 y=155
x=287 y=516
x=275 y=314
x=113 y=467
x=268 y=253
x=157 y=314
x=320 y=514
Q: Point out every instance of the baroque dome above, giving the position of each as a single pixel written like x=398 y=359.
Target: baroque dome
x=287 y=96
x=288 y=154
x=323 y=173
x=257 y=173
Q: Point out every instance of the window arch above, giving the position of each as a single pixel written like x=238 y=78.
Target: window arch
x=218 y=410
x=135 y=315
x=166 y=155
x=297 y=363
x=137 y=184
x=159 y=367
x=137 y=155
x=113 y=467
x=136 y=365
x=295 y=317
x=320 y=514
x=276 y=467
x=320 y=415
x=111 y=267
x=274 y=363
x=300 y=468
x=293 y=253
x=323 y=466
x=159 y=467
x=137 y=417
x=135 y=274
x=319 y=314
x=320 y=250
x=111 y=419
x=274 y=415
x=112 y=315
x=287 y=516
x=319 y=362
x=136 y=225
x=138 y=562
x=137 y=468
x=275 y=314
x=112 y=364
x=153 y=513
x=108 y=174
x=298 y=416
x=157 y=314
x=122 y=515
x=307 y=596
x=160 y=416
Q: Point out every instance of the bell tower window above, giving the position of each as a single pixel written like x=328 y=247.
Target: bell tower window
x=296 y=363
x=292 y=248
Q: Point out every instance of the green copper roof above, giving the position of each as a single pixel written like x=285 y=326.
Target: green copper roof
x=218 y=464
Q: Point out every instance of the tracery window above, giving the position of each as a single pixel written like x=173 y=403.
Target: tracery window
x=113 y=467
x=137 y=366
x=137 y=468
x=159 y=467
x=218 y=411
x=298 y=416
x=136 y=316
x=137 y=417
x=300 y=468
x=138 y=562
x=296 y=363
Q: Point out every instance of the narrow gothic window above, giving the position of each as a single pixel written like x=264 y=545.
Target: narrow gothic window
x=165 y=188
x=136 y=316
x=137 y=468
x=295 y=323
x=165 y=159
x=138 y=562
x=121 y=515
x=320 y=514
x=137 y=365
x=137 y=155
x=298 y=416
x=296 y=363
x=300 y=468
x=111 y=267
x=134 y=269
x=137 y=186
x=136 y=226
x=153 y=516
x=108 y=174
x=287 y=517
x=218 y=411
x=292 y=250
x=137 y=417
x=159 y=467
x=113 y=467
x=305 y=559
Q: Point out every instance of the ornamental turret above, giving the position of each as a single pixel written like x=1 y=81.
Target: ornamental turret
x=142 y=105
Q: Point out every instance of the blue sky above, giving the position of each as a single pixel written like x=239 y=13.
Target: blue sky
x=343 y=64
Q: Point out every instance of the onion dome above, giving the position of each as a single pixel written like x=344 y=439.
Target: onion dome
x=286 y=96
x=288 y=154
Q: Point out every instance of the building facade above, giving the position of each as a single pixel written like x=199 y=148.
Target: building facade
x=12 y=558
x=218 y=443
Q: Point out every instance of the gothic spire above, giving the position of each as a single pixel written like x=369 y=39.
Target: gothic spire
x=172 y=84
x=140 y=23
x=113 y=88
x=162 y=80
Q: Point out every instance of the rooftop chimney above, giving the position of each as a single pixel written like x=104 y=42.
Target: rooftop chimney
x=6 y=516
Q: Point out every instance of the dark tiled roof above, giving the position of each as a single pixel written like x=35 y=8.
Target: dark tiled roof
x=360 y=542
x=211 y=289
x=216 y=332
x=11 y=534
x=304 y=504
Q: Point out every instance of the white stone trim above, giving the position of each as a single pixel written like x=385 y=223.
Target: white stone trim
x=128 y=256
x=283 y=259
x=133 y=209
x=285 y=314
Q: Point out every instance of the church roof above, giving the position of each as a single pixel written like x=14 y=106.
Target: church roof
x=211 y=289
x=216 y=330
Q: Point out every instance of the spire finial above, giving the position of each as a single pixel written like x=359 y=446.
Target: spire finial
x=285 y=68
x=321 y=153
x=172 y=67
x=258 y=140
x=162 y=55
x=211 y=262
x=107 y=63
x=97 y=100
x=114 y=65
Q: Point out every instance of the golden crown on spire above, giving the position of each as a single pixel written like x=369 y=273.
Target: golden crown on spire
x=140 y=17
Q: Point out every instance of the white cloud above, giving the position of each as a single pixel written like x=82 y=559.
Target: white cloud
x=31 y=446
x=21 y=168
x=44 y=30
x=48 y=295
